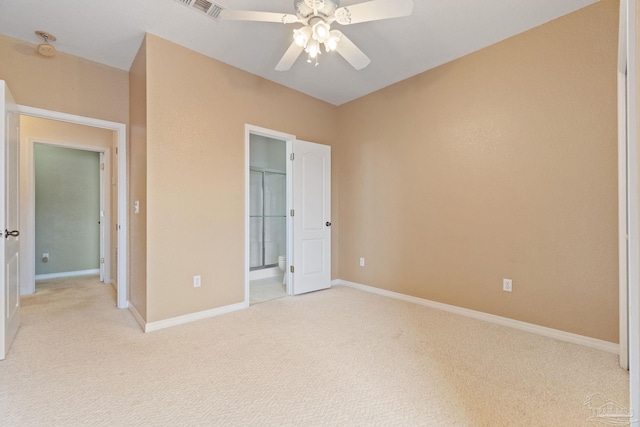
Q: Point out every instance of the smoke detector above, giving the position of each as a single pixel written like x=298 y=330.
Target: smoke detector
x=46 y=49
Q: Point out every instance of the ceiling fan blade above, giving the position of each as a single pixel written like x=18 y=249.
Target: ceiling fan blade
x=352 y=53
x=289 y=57
x=248 y=15
x=374 y=10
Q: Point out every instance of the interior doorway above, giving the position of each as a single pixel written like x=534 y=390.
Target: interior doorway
x=119 y=178
x=63 y=154
x=267 y=265
x=307 y=265
x=268 y=207
x=71 y=205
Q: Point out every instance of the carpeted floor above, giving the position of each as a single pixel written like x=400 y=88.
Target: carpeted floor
x=339 y=357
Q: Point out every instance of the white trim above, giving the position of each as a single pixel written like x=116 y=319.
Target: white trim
x=28 y=285
x=629 y=10
x=623 y=209
x=67 y=274
x=104 y=223
x=123 y=185
x=265 y=273
x=188 y=318
x=137 y=316
x=256 y=130
x=290 y=277
x=623 y=201
x=491 y=318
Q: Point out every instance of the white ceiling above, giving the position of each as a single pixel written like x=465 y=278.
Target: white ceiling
x=438 y=31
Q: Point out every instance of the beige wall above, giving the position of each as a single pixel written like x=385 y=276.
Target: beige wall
x=197 y=108
x=34 y=129
x=67 y=84
x=64 y=82
x=501 y=164
x=138 y=182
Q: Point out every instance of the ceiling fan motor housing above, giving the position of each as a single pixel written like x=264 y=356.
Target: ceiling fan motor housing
x=324 y=8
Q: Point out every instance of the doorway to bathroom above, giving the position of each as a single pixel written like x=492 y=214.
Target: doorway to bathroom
x=268 y=220
x=294 y=248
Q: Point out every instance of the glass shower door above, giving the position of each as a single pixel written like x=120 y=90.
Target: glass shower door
x=267 y=218
x=256 y=219
x=275 y=206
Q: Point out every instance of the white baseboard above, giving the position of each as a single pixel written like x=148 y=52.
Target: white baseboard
x=504 y=321
x=67 y=274
x=187 y=318
x=137 y=316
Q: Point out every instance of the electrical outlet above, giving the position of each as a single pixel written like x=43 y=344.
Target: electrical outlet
x=196 y=281
x=507 y=285
x=361 y=262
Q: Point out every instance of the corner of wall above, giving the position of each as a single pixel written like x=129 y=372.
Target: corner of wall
x=138 y=183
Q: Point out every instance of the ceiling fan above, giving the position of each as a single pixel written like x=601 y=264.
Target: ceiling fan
x=316 y=17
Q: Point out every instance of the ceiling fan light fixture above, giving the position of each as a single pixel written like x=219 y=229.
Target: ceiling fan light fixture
x=332 y=42
x=313 y=49
x=302 y=36
x=321 y=31
x=316 y=17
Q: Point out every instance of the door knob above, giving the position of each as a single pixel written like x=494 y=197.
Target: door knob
x=14 y=233
x=328 y=224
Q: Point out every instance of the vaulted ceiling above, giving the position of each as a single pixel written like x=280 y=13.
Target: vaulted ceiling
x=438 y=31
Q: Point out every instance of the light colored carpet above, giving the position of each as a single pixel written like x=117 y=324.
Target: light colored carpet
x=266 y=289
x=46 y=284
x=335 y=357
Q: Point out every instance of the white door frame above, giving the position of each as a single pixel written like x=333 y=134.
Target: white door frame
x=123 y=184
x=623 y=195
x=29 y=285
x=104 y=222
x=629 y=233
x=288 y=139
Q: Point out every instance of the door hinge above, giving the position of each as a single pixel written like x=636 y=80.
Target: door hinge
x=292 y=269
x=292 y=156
x=101 y=166
x=292 y=212
x=101 y=260
x=116 y=150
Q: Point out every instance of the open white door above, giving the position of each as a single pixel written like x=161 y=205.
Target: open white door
x=312 y=217
x=9 y=266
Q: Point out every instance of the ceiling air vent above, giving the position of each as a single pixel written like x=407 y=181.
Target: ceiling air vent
x=203 y=6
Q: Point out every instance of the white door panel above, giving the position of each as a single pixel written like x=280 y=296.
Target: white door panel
x=312 y=217
x=9 y=242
